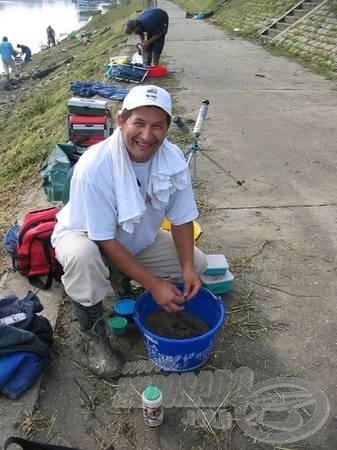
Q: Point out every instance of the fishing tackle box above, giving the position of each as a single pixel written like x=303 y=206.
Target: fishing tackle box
x=88 y=130
x=88 y=106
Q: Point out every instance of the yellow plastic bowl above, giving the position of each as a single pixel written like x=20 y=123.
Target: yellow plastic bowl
x=118 y=59
x=197 y=232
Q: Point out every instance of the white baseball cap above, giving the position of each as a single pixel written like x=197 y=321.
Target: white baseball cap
x=148 y=95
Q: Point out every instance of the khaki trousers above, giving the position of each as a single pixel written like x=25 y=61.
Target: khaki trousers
x=86 y=275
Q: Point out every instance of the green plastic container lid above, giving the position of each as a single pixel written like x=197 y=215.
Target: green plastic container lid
x=152 y=393
x=118 y=322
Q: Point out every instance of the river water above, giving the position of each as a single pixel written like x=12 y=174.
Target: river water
x=25 y=21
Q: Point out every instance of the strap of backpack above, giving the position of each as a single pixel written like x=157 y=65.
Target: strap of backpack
x=37 y=281
x=40 y=284
x=58 y=271
x=32 y=445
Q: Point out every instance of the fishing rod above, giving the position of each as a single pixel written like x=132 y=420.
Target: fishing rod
x=194 y=147
x=199 y=123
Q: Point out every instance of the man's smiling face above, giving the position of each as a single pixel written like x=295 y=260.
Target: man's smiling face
x=143 y=132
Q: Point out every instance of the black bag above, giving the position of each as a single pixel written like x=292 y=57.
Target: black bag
x=32 y=445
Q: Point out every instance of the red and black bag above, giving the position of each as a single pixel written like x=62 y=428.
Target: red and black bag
x=34 y=254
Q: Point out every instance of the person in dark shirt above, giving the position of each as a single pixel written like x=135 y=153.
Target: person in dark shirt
x=26 y=51
x=154 y=23
x=51 y=37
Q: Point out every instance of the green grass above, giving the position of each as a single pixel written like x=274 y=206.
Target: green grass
x=247 y=15
x=316 y=64
x=37 y=119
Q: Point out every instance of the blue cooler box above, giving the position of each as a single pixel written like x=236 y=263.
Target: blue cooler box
x=218 y=284
x=216 y=265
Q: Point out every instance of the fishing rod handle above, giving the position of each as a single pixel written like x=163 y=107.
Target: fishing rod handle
x=201 y=117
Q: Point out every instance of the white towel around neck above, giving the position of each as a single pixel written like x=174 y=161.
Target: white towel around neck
x=168 y=173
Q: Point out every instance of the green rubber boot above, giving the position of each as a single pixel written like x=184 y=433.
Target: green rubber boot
x=85 y=315
x=102 y=360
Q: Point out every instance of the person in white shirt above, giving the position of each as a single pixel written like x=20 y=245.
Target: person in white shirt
x=121 y=190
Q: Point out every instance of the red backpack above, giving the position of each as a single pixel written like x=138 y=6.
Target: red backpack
x=34 y=255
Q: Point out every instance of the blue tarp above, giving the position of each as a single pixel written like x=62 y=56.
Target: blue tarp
x=19 y=371
x=89 y=89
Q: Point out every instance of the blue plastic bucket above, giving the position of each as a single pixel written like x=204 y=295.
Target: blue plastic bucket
x=181 y=355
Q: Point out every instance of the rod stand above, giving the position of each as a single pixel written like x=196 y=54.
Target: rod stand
x=191 y=154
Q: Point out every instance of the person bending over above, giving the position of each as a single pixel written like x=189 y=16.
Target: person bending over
x=25 y=52
x=121 y=190
x=152 y=22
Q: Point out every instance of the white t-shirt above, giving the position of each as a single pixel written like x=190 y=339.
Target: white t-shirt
x=92 y=206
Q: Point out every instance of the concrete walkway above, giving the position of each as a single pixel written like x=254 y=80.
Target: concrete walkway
x=271 y=124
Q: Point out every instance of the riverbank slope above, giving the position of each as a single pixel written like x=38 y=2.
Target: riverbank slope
x=271 y=127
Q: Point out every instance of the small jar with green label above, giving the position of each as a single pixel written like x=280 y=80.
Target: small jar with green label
x=153 y=410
